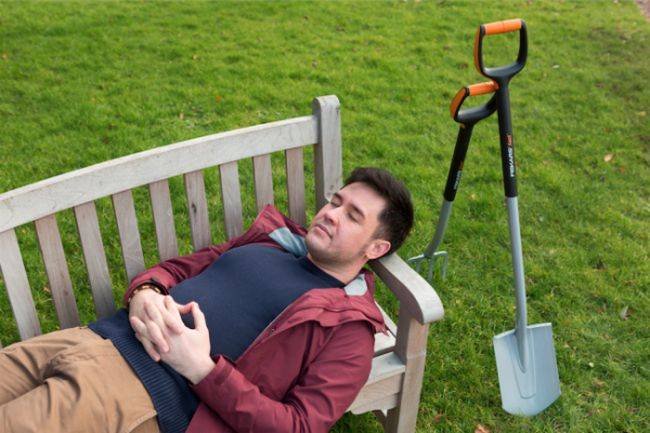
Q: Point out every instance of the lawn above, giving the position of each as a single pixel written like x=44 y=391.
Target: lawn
x=84 y=82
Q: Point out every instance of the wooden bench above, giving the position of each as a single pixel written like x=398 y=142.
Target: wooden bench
x=393 y=389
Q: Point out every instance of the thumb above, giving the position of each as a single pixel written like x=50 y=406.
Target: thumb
x=199 y=317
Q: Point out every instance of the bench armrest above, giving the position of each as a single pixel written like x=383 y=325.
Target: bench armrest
x=413 y=291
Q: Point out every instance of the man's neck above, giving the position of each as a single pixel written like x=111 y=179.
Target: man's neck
x=345 y=274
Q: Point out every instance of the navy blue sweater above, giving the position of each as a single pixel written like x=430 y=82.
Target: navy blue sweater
x=240 y=294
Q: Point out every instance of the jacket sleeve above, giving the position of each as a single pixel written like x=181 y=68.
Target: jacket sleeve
x=321 y=395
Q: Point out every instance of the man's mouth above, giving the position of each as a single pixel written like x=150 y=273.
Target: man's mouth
x=323 y=228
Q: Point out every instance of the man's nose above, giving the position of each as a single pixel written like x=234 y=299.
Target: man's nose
x=332 y=215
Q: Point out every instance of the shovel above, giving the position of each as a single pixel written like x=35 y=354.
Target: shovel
x=525 y=356
x=467 y=118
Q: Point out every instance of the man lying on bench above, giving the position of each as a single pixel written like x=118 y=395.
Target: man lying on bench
x=272 y=331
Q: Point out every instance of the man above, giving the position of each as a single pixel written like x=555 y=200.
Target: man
x=272 y=331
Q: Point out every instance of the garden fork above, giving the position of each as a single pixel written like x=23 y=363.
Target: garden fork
x=467 y=118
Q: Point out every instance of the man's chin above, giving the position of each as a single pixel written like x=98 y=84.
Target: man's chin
x=315 y=243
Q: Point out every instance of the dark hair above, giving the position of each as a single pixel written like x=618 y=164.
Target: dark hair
x=396 y=220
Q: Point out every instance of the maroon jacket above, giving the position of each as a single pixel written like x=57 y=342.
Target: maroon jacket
x=305 y=369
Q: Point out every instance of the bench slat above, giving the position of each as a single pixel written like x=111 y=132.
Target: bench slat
x=262 y=172
x=197 y=209
x=381 y=404
x=231 y=197
x=17 y=284
x=384 y=366
x=385 y=379
x=163 y=217
x=296 y=185
x=56 y=268
x=95 y=256
x=328 y=166
x=384 y=343
x=127 y=226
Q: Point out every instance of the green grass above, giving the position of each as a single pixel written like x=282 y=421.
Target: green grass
x=82 y=83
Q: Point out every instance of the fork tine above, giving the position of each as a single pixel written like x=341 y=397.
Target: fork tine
x=431 y=266
x=444 y=266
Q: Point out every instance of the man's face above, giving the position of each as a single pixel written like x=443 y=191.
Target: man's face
x=342 y=231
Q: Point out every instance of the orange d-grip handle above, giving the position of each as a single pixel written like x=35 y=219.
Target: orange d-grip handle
x=495 y=28
x=482 y=88
x=502 y=26
x=471 y=90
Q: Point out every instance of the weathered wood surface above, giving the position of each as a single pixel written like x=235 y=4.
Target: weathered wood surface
x=61 y=192
x=197 y=208
x=163 y=217
x=411 y=289
x=95 y=257
x=328 y=163
x=231 y=197
x=56 y=268
x=127 y=226
x=263 y=176
x=17 y=285
x=296 y=185
x=384 y=381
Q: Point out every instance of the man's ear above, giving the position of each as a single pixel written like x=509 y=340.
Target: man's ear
x=377 y=248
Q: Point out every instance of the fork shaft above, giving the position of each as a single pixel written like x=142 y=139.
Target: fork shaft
x=443 y=219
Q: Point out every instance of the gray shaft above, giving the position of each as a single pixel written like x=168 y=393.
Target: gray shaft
x=520 y=284
x=443 y=219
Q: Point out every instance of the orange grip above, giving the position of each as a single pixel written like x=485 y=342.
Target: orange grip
x=471 y=90
x=458 y=99
x=482 y=88
x=502 y=26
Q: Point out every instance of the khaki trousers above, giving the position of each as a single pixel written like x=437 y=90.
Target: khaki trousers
x=71 y=381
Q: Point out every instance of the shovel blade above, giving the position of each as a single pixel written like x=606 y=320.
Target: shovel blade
x=530 y=391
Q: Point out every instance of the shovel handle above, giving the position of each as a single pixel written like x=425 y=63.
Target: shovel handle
x=502 y=76
x=507 y=26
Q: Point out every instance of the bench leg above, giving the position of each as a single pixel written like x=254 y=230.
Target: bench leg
x=411 y=347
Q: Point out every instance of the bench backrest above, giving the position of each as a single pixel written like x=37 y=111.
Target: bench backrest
x=78 y=190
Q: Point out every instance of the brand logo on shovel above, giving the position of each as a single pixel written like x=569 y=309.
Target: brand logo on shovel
x=511 y=158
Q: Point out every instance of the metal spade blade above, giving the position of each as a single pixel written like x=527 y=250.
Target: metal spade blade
x=527 y=391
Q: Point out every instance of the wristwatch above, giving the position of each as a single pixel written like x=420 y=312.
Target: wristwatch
x=143 y=287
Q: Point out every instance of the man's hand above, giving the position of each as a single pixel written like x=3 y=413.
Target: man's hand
x=188 y=352
x=149 y=308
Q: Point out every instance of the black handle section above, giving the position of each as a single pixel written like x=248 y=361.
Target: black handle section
x=507 y=142
x=456 y=166
x=472 y=115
